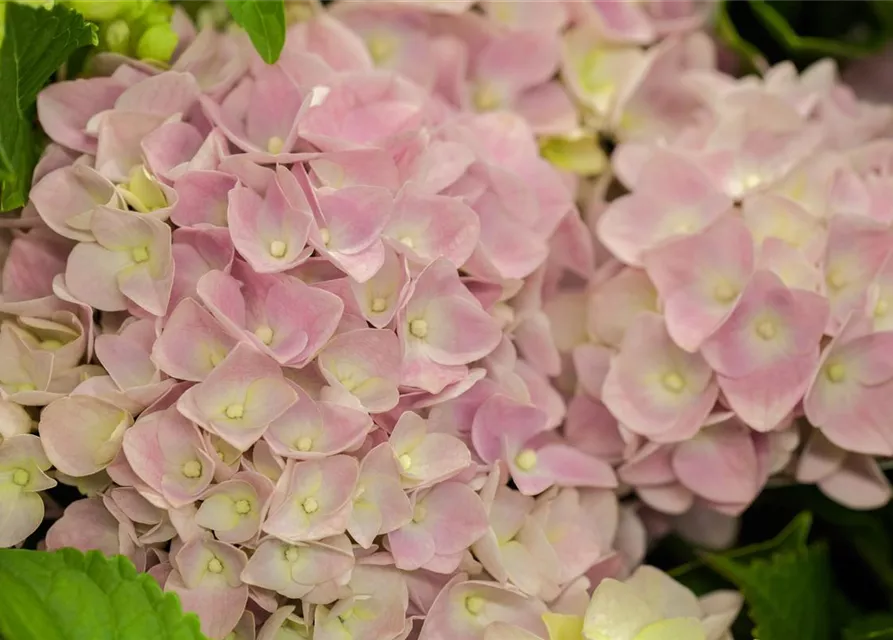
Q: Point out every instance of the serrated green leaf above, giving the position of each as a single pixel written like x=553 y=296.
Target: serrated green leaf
x=264 y=20
x=788 y=595
x=37 y=41
x=873 y=627
x=67 y=595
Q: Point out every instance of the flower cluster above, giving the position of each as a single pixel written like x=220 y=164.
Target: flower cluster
x=331 y=349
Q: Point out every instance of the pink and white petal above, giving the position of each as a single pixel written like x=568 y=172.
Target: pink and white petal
x=91 y=275
x=763 y=399
x=427 y=227
x=719 y=464
x=192 y=343
x=858 y=484
x=202 y=198
x=65 y=108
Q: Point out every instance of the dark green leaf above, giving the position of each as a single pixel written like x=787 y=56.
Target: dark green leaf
x=788 y=596
x=36 y=43
x=66 y=595
x=264 y=20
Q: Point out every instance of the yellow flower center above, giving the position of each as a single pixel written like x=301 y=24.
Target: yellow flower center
x=405 y=461
x=766 y=329
x=835 y=372
x=139 y=254
x=379 y=304
x=291 y=553
x=419 y=513
x=526 y=460
x=487 y=98
x=215 y=566
x=20 y=477
x=836 y=280
x=326 y=236
x=304 y=443
x=264 y=334
x=278 y=248
x=51 y=345
x=418 y=328
x=725 y=293
x=243 y=507
x=310 y=505
x=474 y=605
x=25 y=386
x=192 y=469
x=275 y=144
x=406 y=240
x=673 y=382
x=881 y=308
x=235 y=411
x=381 y=48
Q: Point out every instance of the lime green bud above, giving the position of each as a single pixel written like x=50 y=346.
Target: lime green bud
x=99 y=10
x=116 y=37
x=582 y=155
x=157 y=43
x=155 y=13
x=134 y=9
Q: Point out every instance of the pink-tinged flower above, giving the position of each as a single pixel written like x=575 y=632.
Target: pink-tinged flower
x=592 y=429
x=656 y=389
x=60 y=332
x=600 y=75
x=315 y=429
x=854 y=480
x=446 y=520
x=375 y=610
x=880 y=298
x=22 y=466
x=465 y=608
x=65 y=109
x=506 y=429
x=130 y=261
x=515 y=548
x=426 y=458
x=700 y=279
x=82 y=434
x=672 y=197
x=792 y=267
x=206 y=578
x=85 y=525
x=723 y=464
x=857 y=249
x=170 y=151
x=518 y=15
x=126 y=357
x=565 y=520
x=280 y=315
x=295 y=570
x=234 y=508
x=25 y=373
x=33 y=261
x=329 y=39
x=379 y=503
x=216 y=60
x=202 y=198
x=67 y=198
x=383 y=294
x=349 y=223
x=260 y=114
x=192 y=343
x=770 y=325
x=614 y=305
x=395 y=38
x=363 y=109
x=443 y=328
x=165 y=451
x=271 y=231
x=240 y=398
x=150 y=524
x=768 y=216
x=849 y=396
x=427 y=227
x=363 y=363
x=197 y=251
x=313 y=499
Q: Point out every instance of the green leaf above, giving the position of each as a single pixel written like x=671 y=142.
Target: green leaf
x=264 y=20
x=37 y=41
x=874 y=627
x=788 y=595
x=67 y=595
